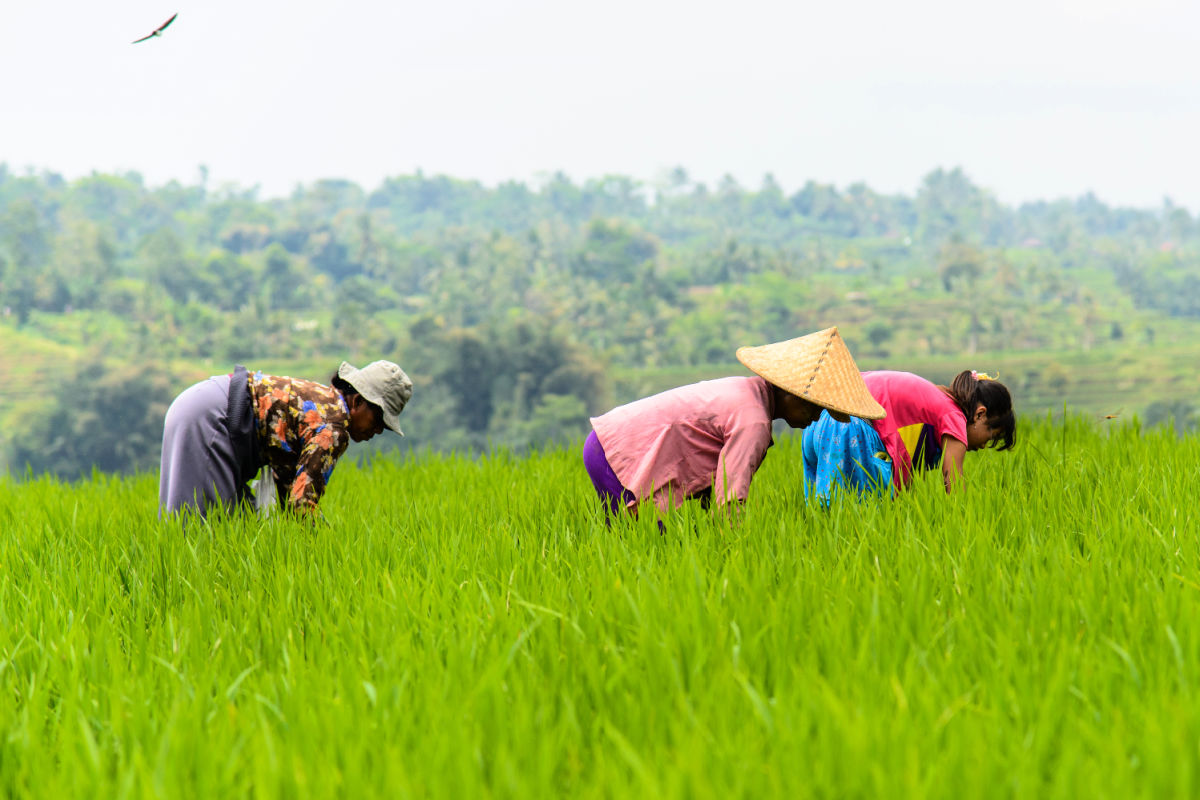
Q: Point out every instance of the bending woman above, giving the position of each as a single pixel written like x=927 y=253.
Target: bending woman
x=926 y=425
x=708 y=439
x=220 y=432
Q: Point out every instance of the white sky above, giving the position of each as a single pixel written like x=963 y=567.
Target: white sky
x=1033 y=98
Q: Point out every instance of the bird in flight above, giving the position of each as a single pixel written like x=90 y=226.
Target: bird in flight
x=157 y=31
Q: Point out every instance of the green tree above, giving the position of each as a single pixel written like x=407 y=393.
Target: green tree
x=959 y=262
x=880 y=333
x=1180 y=414
x=467 y=366
x=555 y=418
x=25 y=234
x=107 y=417
x=948 y=202
x=84 y=259
x=285 y=282
x=613 y=250
x=18 y=289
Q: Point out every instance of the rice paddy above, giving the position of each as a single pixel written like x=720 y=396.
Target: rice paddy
x=462 y=627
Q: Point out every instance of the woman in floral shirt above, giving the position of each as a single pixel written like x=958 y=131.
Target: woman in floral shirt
x=220 y=432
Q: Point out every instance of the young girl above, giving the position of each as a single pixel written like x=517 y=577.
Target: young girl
x=926 y=425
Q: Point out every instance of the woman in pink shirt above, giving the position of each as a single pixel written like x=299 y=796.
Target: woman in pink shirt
x=708 y=439
x=926 y=425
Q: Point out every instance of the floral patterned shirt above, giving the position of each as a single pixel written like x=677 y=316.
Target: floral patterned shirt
x=303 y=429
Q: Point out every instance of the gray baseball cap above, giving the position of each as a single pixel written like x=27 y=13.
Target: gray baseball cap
x=382 y=383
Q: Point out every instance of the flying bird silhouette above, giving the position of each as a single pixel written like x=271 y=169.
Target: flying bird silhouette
x=157 y=31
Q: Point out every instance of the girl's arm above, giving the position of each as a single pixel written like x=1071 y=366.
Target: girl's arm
x=952 y=461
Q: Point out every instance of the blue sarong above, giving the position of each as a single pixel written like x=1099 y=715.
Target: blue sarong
x=844 y=454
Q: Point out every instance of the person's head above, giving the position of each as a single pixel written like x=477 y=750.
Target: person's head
x=798 y=412
x=988 y=408
x=811 y=374
x=375 y=395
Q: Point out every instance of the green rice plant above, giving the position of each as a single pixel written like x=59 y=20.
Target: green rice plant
x=463 y=627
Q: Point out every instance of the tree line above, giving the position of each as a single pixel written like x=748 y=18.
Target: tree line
x=514 y=304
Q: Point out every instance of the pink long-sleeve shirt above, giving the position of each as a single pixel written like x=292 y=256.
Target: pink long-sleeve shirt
x=708 y=435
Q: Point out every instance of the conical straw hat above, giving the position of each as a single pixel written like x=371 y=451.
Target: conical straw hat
x=818 y=368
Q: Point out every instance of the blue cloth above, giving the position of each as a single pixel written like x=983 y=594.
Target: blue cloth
x=844 y=454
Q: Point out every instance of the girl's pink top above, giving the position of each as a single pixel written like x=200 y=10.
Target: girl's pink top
x=911 y=403
x=709 y=435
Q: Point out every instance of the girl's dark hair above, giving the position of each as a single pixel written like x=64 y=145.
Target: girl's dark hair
x=967 y=392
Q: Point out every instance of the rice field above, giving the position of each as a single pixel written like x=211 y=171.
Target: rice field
x=470 y=627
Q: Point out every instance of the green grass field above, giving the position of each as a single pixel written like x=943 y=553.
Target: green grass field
x=465 y=628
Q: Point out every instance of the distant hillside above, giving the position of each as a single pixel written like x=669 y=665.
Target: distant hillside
x=521 y=309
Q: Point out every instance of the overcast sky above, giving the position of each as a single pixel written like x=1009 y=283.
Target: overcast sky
x=1033 y=98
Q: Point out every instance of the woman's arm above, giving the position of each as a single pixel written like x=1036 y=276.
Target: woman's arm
x=317 y=459
x=741 y=455
x=952 y=462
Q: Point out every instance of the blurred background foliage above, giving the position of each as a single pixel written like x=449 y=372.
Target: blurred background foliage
x=523 y=308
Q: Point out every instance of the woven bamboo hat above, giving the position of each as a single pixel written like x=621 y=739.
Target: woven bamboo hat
x=818 y=368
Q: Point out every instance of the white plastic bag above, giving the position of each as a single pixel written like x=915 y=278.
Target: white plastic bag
x=264 y=492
